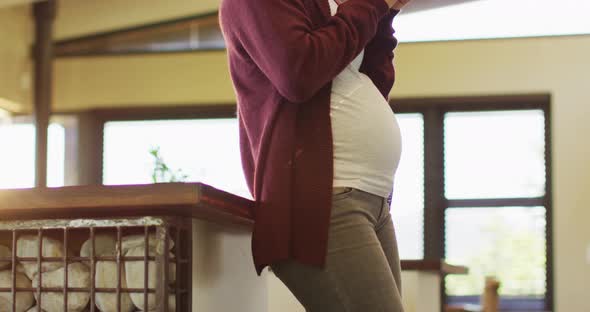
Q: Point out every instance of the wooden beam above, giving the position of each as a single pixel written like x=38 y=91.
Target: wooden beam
x=189 y=34
x=44 y=13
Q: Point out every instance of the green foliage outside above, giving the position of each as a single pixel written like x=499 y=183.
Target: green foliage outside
x=162 y=173
x=515 y=257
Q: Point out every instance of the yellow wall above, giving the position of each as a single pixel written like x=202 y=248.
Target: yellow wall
x=81 y=17
x=16 y=35
x=558 y=66
x=104 y=82
x=142 y=81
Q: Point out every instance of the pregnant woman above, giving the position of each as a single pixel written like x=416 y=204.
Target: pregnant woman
x=319 y=145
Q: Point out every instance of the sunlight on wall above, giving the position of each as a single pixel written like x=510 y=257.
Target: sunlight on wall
x=16 y=37
x=7 y=106
x=4 y=116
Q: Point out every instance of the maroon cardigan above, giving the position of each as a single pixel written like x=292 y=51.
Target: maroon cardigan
x=283 y=56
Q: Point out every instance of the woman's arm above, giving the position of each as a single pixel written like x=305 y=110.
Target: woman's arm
x=378 y=61
x=299 y=60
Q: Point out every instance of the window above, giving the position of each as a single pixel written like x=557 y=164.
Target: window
x=407 y=204
x=495 y=218
x=506 y=242
x=206 y=150
x=17 y=160
x=495 y=154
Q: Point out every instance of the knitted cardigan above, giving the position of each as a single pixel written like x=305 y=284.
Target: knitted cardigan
x=283 y=56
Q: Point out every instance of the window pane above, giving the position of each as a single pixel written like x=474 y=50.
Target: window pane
x=207 y=150
x=508 y=243
x=17 y=160
x=407 y=205
x=495 y=154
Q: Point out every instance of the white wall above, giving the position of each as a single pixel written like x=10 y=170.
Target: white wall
x=280 y=298
x=224 y=278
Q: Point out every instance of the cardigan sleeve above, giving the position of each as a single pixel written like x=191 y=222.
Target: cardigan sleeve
x=378 y=61
x=298 y=59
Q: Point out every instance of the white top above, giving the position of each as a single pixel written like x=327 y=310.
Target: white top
x=366 y=136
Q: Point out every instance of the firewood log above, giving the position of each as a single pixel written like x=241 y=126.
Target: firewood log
x=171 y=305
x=78 y=277
x=106 y=277
x=132 y=241
x=5 y=252
x=104 y=245
x=28 y=246
x=24 y=300
x=135 y=277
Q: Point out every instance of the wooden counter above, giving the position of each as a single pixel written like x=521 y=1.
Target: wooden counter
x=195 y=200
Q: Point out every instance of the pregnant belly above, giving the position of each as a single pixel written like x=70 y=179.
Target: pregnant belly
x=365 y=131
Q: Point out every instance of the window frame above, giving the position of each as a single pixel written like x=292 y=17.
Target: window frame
x=433 y=110
x=91 y=126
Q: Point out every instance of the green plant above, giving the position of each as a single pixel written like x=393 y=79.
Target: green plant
x=162 y=173
x=517 y=260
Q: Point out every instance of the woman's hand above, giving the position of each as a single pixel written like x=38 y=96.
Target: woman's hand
x=397 y=4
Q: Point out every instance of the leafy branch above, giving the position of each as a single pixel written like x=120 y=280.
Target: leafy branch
x=162 y=173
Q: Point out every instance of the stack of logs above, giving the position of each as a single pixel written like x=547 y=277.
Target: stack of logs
x=132 y=275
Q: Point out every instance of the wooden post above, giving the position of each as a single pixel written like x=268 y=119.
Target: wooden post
x=44 y=13
x=490 y=299
x=89 y=144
